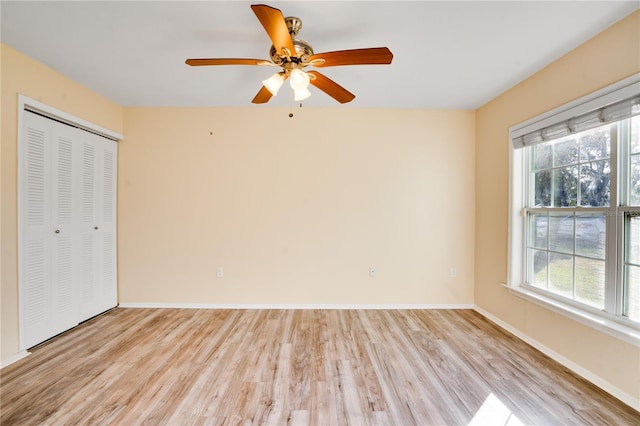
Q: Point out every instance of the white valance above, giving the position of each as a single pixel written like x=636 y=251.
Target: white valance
x=610 y=104
x=604 y=115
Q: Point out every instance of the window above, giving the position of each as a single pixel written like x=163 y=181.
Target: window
x=575 y=202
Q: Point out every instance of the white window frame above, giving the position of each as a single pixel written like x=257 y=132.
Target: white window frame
x=624 y=330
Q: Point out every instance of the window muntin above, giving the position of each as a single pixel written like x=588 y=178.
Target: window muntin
x=574 y=170
x=566 y=253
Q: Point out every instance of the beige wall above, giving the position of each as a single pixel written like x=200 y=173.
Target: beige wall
x=296 y=209
x=23 y=75
x=611 y=56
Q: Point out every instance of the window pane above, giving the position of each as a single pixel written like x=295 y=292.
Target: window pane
x=591 y=235
x=566 y=152
x=542 y=188
x=539 y=230
x=632 y=291
x=590 y=282
x=561 y=233
x=633 y=240
x=634 y=180
x=542 y=157
x=595 y=144
x=561 y=274
x=539 y=261
x=594 y=183
x=565 y=187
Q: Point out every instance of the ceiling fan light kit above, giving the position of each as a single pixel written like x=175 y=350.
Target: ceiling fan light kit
x=293 y=55
x=274 y=83
x=299 y=79
x=301 y=94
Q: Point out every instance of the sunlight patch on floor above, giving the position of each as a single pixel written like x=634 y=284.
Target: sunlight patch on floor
x=493 y=413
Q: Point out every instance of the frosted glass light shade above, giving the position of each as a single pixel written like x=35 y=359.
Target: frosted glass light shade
x=299 y=79
x=301 y=94
x=274 y=83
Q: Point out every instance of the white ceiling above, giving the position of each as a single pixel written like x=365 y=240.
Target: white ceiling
x=450 y=55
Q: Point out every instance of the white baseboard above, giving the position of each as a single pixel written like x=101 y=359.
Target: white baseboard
x=15 y=358
x=292 y=306
x=630 y=400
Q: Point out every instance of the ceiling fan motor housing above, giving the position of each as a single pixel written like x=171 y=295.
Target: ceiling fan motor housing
x=302 y=53
x=303 y=49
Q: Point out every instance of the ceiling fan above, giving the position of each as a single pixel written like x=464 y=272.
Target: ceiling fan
x=293 y=55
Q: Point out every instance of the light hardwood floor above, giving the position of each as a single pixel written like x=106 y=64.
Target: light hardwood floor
x=322 y=367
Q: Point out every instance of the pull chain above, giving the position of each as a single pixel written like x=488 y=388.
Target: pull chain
x=291 y=100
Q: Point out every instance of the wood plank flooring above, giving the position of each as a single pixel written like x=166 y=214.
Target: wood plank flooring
x=278 y=367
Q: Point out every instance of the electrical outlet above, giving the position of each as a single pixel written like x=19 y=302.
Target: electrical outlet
x=219 y=272
x=372 y=271
x=453 y=272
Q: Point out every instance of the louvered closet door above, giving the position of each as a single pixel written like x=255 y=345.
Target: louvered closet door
x=35 y=243
x=99 y=289
x=107 y=224
x=64 y=211
x=89 y=227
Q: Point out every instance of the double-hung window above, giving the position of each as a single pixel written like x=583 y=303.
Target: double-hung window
x=575 y=202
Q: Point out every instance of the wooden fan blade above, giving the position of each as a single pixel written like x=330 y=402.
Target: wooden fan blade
x=227 y=61
x=263 y=96
x=273 y=22
x=372 y=56
x=331 y=88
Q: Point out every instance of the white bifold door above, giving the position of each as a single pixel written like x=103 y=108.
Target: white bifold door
x=67 y=227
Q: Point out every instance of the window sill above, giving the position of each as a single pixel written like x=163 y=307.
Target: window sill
x=629 y=334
